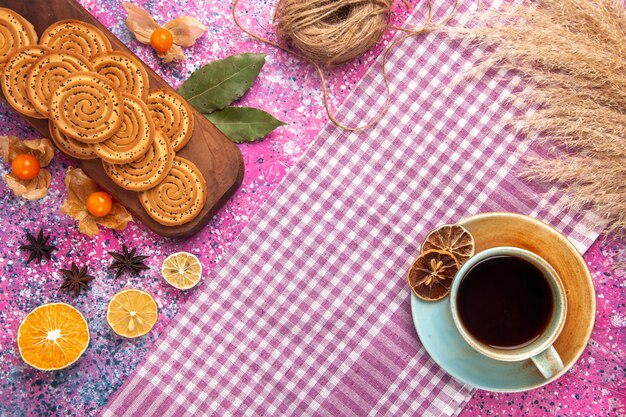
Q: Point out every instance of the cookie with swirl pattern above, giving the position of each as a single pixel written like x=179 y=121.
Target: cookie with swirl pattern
x=125 y=72
x=147 y=172
x=172 y=115
x=47 y=73
x=133 y=138
x=77 y=37
x=14 y=78
x=179 y=198
x=87 y=108
x=15 y=32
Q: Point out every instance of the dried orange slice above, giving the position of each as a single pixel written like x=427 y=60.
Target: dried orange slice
x=182 y=270
x=132 y=313
x=430 y=277
x=52 y=336
x=451 y=238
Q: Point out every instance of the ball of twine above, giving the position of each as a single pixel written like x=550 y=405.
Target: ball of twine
x=332 y=32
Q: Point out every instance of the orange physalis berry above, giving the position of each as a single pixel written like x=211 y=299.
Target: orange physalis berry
x=99 y=204
x=161 y=40
x=25 y=167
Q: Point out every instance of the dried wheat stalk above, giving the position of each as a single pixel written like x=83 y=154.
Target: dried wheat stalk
x=573 y=54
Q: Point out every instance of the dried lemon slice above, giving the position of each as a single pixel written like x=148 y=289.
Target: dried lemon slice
x=53 y=336
x=451 y=238
x=132 y=313
x=430 y=277
x=182 y=270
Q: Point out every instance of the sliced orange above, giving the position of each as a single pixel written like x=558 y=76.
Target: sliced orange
x=452 y=238
x=132 y=313
x=52 y=336
x=182 y=270
x=430 y=277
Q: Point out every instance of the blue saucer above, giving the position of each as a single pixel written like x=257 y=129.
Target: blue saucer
x=441 y=339
x=436 y=330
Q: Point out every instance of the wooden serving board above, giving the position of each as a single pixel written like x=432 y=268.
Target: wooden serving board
x=218 y=158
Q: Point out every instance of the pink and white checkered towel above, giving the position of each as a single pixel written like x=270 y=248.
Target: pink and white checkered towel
x=309 y=314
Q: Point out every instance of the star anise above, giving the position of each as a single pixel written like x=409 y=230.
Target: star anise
x=127 y=261
x=38 y=247
x=75 y=279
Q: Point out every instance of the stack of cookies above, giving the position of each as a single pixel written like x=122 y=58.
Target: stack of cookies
x=99 y=105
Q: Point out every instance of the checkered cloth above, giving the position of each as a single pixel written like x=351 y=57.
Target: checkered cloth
x=309 y=314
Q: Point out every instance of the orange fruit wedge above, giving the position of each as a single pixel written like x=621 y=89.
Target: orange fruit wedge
x=182 y=270
x=452 y=238
x=430 y=277
x=132 y=313
x=52 y=336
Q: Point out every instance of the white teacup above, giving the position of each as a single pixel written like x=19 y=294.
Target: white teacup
x=540 y=350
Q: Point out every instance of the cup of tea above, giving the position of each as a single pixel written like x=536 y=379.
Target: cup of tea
x=509 y=304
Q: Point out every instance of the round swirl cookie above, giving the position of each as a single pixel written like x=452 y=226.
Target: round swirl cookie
x=14 y=78
x=15 y=33
x=179 y=198
x=134 y=137
x=86 y=107
x=75 y=36
x=69 y=146
x=124 y=71
x=147 y=172
x=172 y=115
x=47 y=73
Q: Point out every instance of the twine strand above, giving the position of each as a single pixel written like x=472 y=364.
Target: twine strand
x=340 y=21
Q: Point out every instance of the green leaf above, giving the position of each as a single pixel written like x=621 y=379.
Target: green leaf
x=219 y=83
x=244 y=124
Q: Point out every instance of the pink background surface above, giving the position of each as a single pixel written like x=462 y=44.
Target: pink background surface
x=290 y=90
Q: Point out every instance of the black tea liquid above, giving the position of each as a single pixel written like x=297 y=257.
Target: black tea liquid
x=505 y=302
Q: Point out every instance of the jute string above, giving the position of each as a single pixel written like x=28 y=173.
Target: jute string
x=328 y=33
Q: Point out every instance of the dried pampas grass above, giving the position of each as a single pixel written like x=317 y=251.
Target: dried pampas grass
x=573 y=54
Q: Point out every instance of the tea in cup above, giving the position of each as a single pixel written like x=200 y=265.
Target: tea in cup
x=509 y=304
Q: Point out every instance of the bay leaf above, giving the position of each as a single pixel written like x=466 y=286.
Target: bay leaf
x=219 y=83
x=244 y=124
